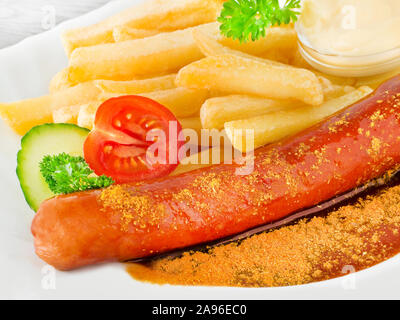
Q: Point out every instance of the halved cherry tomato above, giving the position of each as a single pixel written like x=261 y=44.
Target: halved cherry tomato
x=117 y=146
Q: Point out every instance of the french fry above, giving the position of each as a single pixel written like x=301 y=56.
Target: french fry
x=87 y=113
x=191 y=123
x=137 y=86
x=238 y=75
x=124 y=33
x=17 y=117
x=336 y=91
x=278 y=55
x=209 y=46
x=274 y=126
x=164 y=15
x=160 y=54
x=341 y=81
x=60 y=81
x=66 y=114
x=283 y=38
x=215 y=112
x=195 y=162
x=332 y=91
x=184 y=168
x=182 y=102
x=23 y=115
x=192 y=130
x=375 y=81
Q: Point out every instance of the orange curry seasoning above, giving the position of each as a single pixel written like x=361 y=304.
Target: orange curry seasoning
x=316 y=249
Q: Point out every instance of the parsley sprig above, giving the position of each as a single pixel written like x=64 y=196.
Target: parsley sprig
x=67 y=174
x=248 y=19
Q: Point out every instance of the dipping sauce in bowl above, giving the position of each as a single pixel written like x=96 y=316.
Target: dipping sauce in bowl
x=353 y=38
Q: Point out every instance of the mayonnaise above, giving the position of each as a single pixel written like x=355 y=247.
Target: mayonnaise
x=366 y=30
x=351 y=27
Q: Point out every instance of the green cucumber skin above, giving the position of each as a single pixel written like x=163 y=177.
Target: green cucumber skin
x=36 y=190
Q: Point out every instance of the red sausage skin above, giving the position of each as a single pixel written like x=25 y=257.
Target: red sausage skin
x=347 y=150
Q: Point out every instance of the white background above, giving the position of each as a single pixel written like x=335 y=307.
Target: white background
x=25 y=70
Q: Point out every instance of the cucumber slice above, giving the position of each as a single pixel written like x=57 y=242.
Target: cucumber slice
x=40 y=141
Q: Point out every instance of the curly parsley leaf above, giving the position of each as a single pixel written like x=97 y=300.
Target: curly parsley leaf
x=67 y=174
x=248 y=19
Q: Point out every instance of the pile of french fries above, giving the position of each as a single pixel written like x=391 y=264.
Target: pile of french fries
x=172 y=51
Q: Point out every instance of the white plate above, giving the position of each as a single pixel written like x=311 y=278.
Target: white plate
x=25 y=71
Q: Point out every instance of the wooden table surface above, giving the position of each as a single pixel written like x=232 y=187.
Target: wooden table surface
x=22 y=18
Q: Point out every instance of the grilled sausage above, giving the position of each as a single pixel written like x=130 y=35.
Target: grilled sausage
x=131 y=221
